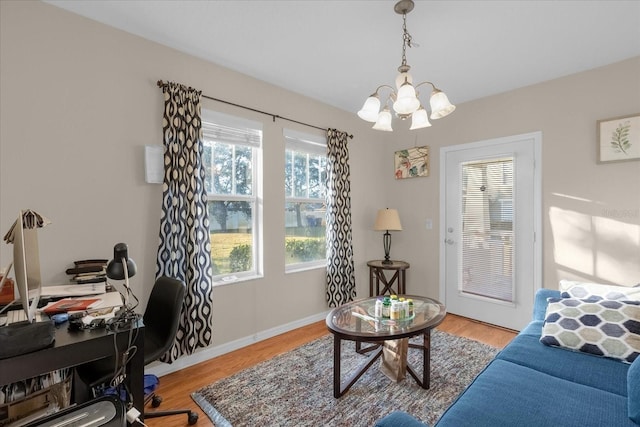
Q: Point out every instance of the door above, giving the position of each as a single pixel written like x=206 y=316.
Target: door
x=490 y=229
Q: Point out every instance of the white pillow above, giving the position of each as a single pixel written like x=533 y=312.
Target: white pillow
x=604 y=328
x=597 y=291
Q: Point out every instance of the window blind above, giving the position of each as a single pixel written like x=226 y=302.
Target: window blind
x=305 y=142
x=487 y=236
x=230 y=129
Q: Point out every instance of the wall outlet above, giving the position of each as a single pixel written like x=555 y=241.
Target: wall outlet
x=428 y=224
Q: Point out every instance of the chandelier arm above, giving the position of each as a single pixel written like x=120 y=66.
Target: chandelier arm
x=390 y=98
x=424 y=83
x=381 y=86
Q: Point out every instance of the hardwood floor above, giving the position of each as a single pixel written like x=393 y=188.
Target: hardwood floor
x=176 y=388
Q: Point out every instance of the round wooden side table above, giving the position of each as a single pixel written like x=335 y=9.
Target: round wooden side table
x=377 y=270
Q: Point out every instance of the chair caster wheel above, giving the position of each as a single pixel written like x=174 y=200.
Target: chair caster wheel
x=156 y=401
x=193 y=418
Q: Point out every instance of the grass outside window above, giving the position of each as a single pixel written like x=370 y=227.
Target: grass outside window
x=231 y=250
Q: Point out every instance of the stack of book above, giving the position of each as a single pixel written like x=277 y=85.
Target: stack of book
x=88 y=271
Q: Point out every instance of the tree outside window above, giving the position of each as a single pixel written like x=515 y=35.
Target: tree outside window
x=230 y=156
x=305 y=209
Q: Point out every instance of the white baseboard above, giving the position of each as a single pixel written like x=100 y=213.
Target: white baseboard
x=159 y=369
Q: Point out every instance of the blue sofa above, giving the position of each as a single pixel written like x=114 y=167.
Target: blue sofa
x=532 y=384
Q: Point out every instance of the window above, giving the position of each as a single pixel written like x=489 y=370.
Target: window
x=488 y=228
x=232 y=158
x=305 y=208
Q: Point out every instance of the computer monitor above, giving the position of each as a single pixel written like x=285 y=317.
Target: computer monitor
x=26 y=267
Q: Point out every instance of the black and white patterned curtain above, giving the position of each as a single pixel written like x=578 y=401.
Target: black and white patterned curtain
x=341 y=282
x=185 y=249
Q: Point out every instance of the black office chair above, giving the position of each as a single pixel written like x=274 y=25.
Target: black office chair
x=161 y=320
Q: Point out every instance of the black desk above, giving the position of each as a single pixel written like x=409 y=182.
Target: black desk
x=73 y=348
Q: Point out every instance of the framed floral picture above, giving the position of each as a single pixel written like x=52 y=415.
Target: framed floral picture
x=412 y=162
x=619 y=139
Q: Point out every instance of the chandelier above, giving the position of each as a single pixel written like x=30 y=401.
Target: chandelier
x=404 y=96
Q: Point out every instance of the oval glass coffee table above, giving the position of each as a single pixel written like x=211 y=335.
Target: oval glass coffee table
x=355 y=321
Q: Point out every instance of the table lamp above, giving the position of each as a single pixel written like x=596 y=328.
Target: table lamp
x=122 y=267
x=387 y=220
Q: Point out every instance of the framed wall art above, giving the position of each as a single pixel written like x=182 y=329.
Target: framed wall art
x=619 y=139
x=412 y=162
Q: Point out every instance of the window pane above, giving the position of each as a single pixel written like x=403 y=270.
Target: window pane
x=305 y=175
x=222 y=168
x=223 y=163
x=288 y=174
x=300 y=174
x=305 y=232
x=243 y=171
x=207 y=150
x=487 y=209
x=317 y=176
x=231 y=236
x=231 y=146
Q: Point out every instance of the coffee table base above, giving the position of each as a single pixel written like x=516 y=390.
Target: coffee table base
x=340 y=388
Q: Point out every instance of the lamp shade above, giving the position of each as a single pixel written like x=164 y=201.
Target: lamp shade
x=370 y=109
x=384 y=120
x=419 y=119
x=115 y=269
x=387 y=219
x=440 y=105
x=407 y=102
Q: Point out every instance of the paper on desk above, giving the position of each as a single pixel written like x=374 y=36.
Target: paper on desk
x=105 y=300
x=69 y=305
x=106 y=314
x=108 y=299
x=73 y=290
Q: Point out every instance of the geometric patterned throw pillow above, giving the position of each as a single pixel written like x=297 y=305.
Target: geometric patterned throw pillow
x=604 y=328
x=597 y=291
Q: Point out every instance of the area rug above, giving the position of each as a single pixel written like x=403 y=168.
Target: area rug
x=296 y=388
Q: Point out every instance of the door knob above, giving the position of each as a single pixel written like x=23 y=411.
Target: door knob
x=449 y=242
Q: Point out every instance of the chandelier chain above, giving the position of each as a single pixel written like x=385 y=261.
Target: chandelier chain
x=406 y=39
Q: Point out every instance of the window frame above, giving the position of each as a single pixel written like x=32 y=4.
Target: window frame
x=210 y=121
x=310 y=144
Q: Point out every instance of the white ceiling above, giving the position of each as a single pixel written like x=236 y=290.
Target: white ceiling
x=338 y=52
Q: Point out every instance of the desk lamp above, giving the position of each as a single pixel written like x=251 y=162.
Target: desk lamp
x=122 y=267
x=387 y=220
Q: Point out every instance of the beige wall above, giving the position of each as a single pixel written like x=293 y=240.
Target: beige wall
x=78 y=102
x=591 y=212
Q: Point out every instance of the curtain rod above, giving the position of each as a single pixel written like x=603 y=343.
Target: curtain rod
x=273 y=116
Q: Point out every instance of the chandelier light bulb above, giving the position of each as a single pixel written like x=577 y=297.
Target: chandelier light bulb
x=370 y=109
x=440 y=105
x=407 y=102
x=384 y=120
x=419 y=119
